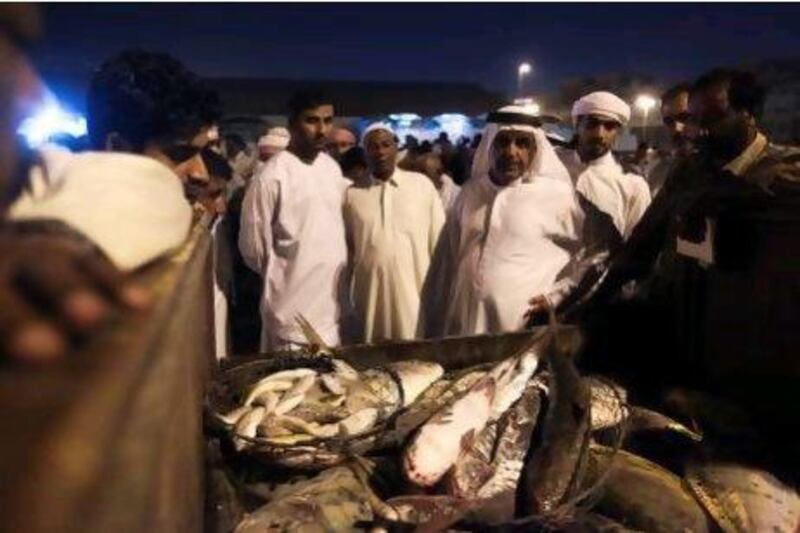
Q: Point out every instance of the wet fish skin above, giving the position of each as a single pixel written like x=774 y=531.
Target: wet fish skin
x=296 y=395
x=743 y=499
x=642 y=419
x=375 y=388
x=437 y=445
x=419 y=509
x=267 y=385
x=233 y=416
x=609 y=403
x=358 y=422
x=641 y=494
x=334 y=500
x=474 y=466
x=432 y=400
x=552 y=472
x=513 y=443
x=246 y=426
x=416 y=377
x=512 y=380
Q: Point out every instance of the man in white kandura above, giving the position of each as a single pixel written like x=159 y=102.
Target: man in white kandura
x=510 y=235
x=292 y=232
x=393 y=221
x=598 y=177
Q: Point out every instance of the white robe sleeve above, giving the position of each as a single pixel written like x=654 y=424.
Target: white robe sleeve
x=255 y=232
x=437 y=220
x=639 y=202
x=437 y=288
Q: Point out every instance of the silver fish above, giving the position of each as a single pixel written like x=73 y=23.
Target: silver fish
x=511 y=381
x=358 y=422
x=415 y=377
x=335 y=500
x=436 y=447
x=553 y=471
x=232 y=417
x=513 y=441
x=296 y=395
x=435 y=398
x=247 y=425
x=267 y=385
x=641 y=494
x=609 y=403
x=474 y=466
x=743 y=499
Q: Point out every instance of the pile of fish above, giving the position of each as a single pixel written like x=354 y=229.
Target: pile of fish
x=327 y=402
x=524 y=444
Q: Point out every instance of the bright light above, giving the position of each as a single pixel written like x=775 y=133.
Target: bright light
x=645 y=102
x=524 y=69
x=529 y=104
x=455 y=125
x=405 y=118
x=51 y=119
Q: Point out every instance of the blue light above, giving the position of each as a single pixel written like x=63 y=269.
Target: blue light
x=49 y=120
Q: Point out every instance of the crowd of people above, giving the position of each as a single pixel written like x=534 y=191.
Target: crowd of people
x=367 y=238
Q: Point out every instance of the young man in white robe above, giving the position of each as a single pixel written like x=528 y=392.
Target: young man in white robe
x=510 y=236
x=598 y=177
x=393 y=220
x=292 y=232
x=612 y=200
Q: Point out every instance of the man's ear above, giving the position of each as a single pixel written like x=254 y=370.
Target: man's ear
x=117 y=143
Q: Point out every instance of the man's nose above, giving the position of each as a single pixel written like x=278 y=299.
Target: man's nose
x=196 y=170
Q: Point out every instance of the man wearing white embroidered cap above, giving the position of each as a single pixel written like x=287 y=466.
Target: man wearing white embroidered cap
x=599 y=179
x=393 y=220
x=510 y=235
x=275 y=140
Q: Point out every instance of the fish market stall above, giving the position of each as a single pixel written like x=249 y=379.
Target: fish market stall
x=484 y=433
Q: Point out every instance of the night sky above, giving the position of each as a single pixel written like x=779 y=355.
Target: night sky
x=480 y=43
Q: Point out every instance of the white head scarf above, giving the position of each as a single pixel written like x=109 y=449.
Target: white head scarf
x=375 y=126
x=604 y=104
x=275 y=138
x=545 y=164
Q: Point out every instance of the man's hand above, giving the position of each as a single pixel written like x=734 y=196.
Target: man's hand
x=538 y=312
x=54 y=290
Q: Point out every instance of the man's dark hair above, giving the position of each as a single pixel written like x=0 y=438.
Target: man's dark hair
x=352 y=158
x=234 y=143
x=304 y=100
x=147 y=97
x=216 y=165
x=744 y=91
x=675 y=90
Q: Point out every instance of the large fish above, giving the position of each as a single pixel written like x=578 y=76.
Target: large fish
x=743 y=499
x=487 y=474
x=610 y=408
x=640 y=494
x=440 y=440
x=553 y=471
x=513 y=441
x=437 y=446
x=334 y=500
x=474 y=466
x=432 y=400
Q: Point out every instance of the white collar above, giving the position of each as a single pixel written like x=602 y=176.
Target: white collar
x=392 y=179
x=742 y=162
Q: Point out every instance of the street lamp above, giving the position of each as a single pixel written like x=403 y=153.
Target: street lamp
x=523 y=70
x=645 y=102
